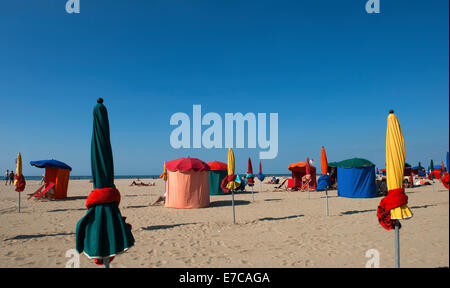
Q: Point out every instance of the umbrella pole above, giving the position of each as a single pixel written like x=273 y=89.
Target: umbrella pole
x=326 y=196
x=19 y=202
x=308 y=191
x=232 y=203
x=397 y=244
x=253 y=197
x=106 y=262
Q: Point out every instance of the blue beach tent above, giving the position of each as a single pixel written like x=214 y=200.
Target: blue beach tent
x=356 y=178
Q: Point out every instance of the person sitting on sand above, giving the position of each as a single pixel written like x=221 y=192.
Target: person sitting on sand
x=160 y=199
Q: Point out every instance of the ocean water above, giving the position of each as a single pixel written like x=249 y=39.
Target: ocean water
x=130 y=177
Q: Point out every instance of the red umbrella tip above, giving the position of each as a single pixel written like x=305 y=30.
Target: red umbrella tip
x=100 y=100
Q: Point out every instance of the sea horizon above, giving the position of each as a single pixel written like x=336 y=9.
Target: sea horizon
x=88 y=177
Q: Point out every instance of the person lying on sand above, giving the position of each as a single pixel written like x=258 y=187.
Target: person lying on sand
x=160 y=199
x=142 y=184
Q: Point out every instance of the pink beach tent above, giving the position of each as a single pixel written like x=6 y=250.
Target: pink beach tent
x=187 y=184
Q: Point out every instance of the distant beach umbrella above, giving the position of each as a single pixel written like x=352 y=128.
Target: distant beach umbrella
x=250 y=177
x=445 y=178
x=261 y=176
x=308 y=172
x=323 y=161
x=19 y=179
x=324 y=167
x=394 y=207
x=102 y=233
x=431 y=169
x=447 y=163
x=163 y=176
x=232 y=184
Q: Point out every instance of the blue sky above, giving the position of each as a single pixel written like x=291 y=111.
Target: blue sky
x=330 y=70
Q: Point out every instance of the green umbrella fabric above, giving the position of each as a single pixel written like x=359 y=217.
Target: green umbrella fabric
x=432 y=169
x=102 y=232
x=102 y=165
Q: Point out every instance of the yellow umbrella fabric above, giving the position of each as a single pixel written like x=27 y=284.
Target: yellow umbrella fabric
x=233 y=185
x=18 y=168
x=395 y=163
x=164 y=174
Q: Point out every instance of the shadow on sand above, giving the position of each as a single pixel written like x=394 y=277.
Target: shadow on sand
x=24 y=237
x=137 y=206
x=228 y=203
x=64 y=210
x=159 y=227
x=280 y=218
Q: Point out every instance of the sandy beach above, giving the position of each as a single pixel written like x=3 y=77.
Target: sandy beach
x=278 y=229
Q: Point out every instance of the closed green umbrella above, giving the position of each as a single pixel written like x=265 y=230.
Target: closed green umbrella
x=432 y=173
x=102 y=233
x=432 y=169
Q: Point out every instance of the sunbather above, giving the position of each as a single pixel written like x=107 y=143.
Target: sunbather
x=142 y=184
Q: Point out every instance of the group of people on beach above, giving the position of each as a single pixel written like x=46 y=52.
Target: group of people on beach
x=9 y=177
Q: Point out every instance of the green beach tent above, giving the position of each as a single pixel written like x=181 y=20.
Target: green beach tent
x=216 y=174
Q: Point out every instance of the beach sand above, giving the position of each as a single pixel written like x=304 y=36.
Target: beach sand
x=279 y=229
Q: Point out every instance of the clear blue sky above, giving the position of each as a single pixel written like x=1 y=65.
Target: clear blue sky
x=329 y=69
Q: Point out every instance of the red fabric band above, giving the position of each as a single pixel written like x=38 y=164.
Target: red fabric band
x=394 y=199
x=102 y=196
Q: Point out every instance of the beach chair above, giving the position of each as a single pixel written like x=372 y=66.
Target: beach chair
x=43 y=192
x=305 y=183
x=280 y=188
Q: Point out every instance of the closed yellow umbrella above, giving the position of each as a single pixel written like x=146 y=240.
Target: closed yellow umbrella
x=394 y=207
x=164 y=174
x=232 y=185
x=395 y=163
x=19 y=179
x=18 y=168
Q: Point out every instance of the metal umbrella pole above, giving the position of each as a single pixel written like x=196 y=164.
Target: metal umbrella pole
x=253 y=197
x=232 y=204
x=397 y=243
x=106 y=262
x=326 y=196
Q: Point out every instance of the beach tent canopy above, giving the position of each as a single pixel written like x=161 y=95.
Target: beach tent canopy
x=187 y=164
x=56 y=172
x=216 y=174
x=354 y=163
x=217 y=165
x=187 y=184
x=356 y=178
x=51 y=164
x=299 y=170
